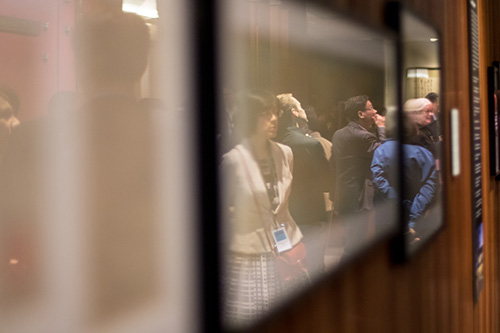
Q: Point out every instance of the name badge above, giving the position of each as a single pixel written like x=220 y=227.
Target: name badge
x=281 y=239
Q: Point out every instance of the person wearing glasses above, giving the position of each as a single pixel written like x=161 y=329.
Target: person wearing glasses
x=434 y=99
x=257 y=179
x=352 y=153
x=421 y=110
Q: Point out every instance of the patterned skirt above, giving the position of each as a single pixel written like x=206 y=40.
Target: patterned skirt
x=252 y=286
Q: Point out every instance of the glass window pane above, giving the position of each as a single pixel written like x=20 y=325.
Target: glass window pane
x=307 y=96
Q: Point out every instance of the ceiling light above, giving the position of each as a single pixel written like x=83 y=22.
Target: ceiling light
x=417 y=73
x=145 y=9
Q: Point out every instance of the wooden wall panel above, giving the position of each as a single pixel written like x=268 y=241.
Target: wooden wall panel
x=434 y=291
x=488 y=306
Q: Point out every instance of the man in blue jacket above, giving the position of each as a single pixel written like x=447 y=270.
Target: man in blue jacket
x=420 y=179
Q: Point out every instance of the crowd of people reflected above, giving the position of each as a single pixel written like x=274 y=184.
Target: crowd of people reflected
x=302 y=190
x=292 y=197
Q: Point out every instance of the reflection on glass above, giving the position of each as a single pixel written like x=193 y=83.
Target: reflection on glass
x=307 y=97
x=423 y=138
x=259 y=179
x=71 y=165
x=145 y=8
x=88 y=185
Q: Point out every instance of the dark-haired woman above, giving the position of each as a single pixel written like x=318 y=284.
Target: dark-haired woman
x=257 y=178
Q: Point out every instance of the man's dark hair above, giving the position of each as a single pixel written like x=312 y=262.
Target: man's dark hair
x=353 y=105
x=112 y=47
x=433 y=97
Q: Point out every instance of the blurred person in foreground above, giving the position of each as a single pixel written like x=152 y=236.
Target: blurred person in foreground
x=91 y=166
x=112 y=52
x=9 y=107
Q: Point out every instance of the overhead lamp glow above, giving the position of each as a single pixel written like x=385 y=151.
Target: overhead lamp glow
x=433 y=39
x=142 y=10
x=418 y=73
